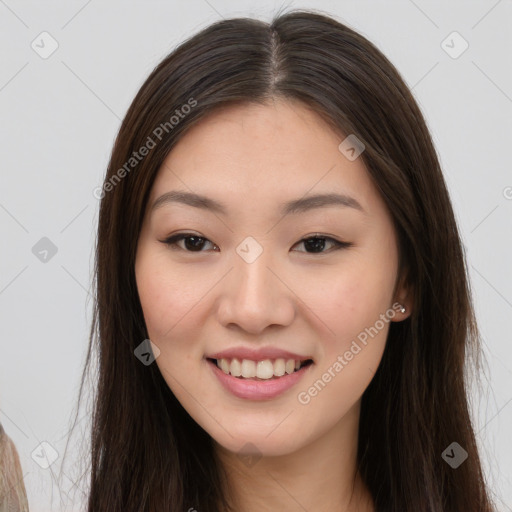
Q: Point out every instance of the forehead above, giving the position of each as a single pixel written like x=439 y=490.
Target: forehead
x=251 y=155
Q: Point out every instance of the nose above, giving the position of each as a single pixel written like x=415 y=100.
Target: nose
x=255 y=295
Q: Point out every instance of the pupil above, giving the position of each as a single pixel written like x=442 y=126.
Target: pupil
x=315 y=243
x=192 y=245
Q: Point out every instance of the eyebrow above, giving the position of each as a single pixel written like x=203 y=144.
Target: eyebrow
x=295 y=206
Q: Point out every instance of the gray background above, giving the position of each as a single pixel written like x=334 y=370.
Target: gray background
x=59 y=117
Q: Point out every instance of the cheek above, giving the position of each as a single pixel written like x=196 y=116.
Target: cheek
x=347 y=302
x=169 y=300
x=352 y=350
x=167 y=294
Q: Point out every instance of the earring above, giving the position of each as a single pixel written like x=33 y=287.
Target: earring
x=402 y=309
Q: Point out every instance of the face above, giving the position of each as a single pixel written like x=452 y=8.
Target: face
x=254 y=285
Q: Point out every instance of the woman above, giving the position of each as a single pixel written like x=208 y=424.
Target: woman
x=283 y=308
x=13 y=497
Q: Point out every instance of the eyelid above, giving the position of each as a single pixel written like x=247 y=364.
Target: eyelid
x=172 y=240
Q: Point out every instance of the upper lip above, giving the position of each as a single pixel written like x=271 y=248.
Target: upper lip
x=258 y=354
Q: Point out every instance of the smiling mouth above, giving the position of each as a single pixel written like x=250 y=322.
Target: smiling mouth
x=268 y=369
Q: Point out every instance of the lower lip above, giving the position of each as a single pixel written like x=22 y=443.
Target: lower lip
x=258 y=389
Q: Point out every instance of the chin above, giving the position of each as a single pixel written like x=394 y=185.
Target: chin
x=259 y=444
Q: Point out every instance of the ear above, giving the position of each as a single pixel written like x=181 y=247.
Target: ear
x=403 y=297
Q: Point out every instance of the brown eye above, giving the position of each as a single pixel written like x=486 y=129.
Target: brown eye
x=193 y=243
x=316 y=244
x=196 y=243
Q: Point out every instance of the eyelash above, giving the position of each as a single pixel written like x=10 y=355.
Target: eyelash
x=172 y=241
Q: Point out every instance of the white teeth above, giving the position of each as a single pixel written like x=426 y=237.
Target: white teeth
x=248 y=368
x=224 y=365
x=236 y=368
x=265 y=369
x=279 y=367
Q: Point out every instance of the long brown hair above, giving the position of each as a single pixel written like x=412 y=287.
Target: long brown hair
x=147 y=453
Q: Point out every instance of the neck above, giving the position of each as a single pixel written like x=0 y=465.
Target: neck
x=320 y=476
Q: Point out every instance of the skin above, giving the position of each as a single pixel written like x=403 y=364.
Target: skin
x=252 y=158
